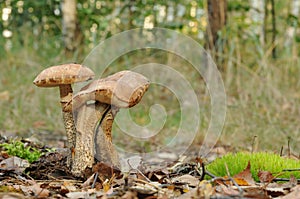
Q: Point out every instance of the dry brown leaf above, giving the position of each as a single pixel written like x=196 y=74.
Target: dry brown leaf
x=40 y=192
x=14 y=163
x=77 y=195
x=265 y=176
x=206 y=189
x=254 y=191
x=292 y=182
x=130 y=195
x=245 y=176
x=106 y=186
x=241 y=182
x=105 y=171
x=276 y=191
x=295 y=193
x=228 y=190
x=11 y=196
x=186 y=179
x=89 y=181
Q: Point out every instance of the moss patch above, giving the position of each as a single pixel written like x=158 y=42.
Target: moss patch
x=262 y=161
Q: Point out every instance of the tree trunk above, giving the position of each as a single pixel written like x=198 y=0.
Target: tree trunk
x=72 y=36
x=257 y=14
x=217 y=14
x=292 y=28
x=274 y=31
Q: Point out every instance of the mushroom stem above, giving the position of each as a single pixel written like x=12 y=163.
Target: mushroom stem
x=66 y=93
x=87 y=118
x=71 y=135
x=65 y=90
x=104 y=150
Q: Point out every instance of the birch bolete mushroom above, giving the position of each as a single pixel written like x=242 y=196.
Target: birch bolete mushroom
x=121 y=90
x=63 y=76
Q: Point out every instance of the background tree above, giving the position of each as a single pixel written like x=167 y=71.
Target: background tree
x=217 y=14
x=72 y=36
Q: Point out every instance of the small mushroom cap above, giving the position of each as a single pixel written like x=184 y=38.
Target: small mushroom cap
x=123 y=89
x=63 y=74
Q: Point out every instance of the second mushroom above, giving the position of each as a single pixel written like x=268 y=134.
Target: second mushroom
x=63 y=76
x=95 y=107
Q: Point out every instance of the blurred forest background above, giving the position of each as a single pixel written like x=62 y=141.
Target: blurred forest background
x=254 y=43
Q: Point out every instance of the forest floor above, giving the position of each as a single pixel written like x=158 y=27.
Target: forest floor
x=162 y=176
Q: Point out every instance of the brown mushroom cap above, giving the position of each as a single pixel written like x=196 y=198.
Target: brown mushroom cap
x=63 y=74
x=123 y=89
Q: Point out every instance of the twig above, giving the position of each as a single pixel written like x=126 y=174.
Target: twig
x=298 y=169
x=254 y=144
x=284 y=180
x=289 y=148
x=95 y=179
x=138 y=171
x=148 y=183
x=210 y=174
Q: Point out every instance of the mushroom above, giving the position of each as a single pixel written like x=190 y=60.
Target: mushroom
x=63 y=76
x=121 y=90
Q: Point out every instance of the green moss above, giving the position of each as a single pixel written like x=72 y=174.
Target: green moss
x=262 y=161
x=17 y=148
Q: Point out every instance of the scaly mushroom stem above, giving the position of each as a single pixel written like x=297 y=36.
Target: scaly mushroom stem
x=71 y=135
x=86 y=121
x=66 y=93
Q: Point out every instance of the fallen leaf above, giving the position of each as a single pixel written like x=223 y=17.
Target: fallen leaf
x=245 y=176
x=40 y=192
x=295 y=193
x=265 y=176
x=14 y=164
x=276 y=191
x=241 y=182
x=130 y=194
x=105 y=171
x=77 y=195
x=89 y=181
x=69 y=186
x=11 y=196
x=254 y=191
x=291 y=183
x=186 y=179
x=227 y=190
x=205 y=189
x=106 y=186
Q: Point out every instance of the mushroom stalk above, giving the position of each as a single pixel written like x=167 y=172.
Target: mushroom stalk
x=104 y=149
x=66 y=93
x=87 y=119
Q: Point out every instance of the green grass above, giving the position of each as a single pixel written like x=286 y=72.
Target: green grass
x=261 y=161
